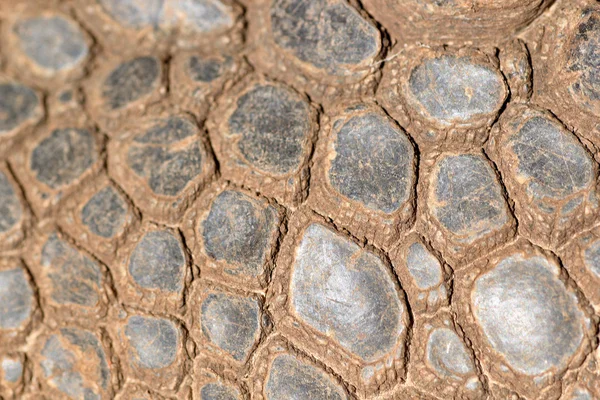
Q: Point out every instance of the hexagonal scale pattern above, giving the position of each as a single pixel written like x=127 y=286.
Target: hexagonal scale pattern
x=291 y=199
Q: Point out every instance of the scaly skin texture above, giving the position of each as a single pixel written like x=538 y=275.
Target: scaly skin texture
x=293 y=199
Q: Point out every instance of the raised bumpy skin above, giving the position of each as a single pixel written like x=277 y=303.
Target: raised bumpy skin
x=299 y=199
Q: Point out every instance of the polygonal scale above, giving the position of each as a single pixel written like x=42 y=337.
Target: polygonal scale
x=364 y=174
x=566 y=80
x=20 y=109
x=13 y=214
x=159 y=23
x=548 y=172
x=423 y=276
x=166 y=160
x=201 y=16
x=290 y=377
x=452 y=96
x=344 y=295
x=209 y=386
x=12 y=368
x=281 y=373
x=233 y=234
x=582 y=63
x=70 y=281
x=454 y=21
x=48 y=45
x=263 y=138
x=465 y=203
x=98 y=215
x=153 y=269
x=18 y=301
x=160 y=364
x=327 y=35
x=328 y=40
x=442 y=362
x=197 y=78
x=524 y=314
x=54 y=163
x=581 y=257
x=226 y=324
x=72 y=362
x=122 y=88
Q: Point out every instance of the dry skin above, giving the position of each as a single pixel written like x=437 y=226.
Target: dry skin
x=292 y=199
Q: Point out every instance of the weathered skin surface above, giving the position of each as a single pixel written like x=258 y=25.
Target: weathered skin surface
x=447 y=354
x=52 y=42
x=217 y=391
x=17 y=104
x=130 y=81
x=467 y=197
x=154 y=341
x=453 y=89
x=366 y=319
x=104 y=214
x=16 y=298
x=231 y=322
x=291 y=378
x=167 y=166
x=527 y=315
x=61 y=158
x=238 y=230
x=291 y=199
x=273 y=123
x=158 y=262
x=11 y=209
x=61 y=360
x=328 y=35
x=373 y=163
x=74 y=277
